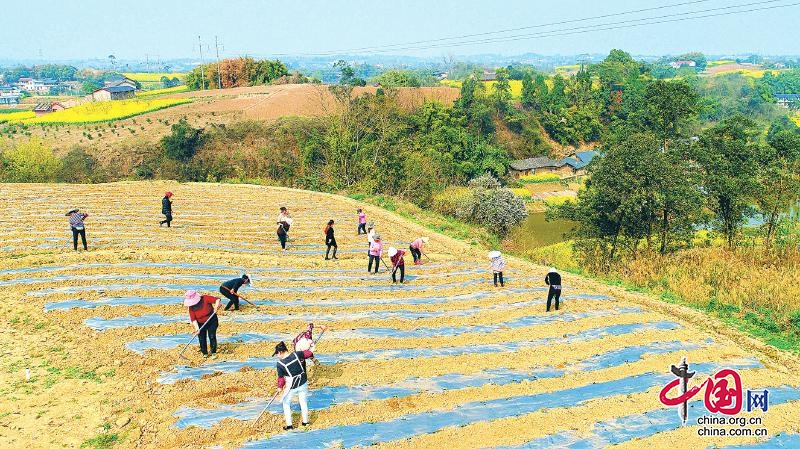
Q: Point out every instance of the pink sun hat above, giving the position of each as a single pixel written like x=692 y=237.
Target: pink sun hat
x=191 y=298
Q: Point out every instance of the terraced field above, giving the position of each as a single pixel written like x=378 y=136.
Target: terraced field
x=446 y=360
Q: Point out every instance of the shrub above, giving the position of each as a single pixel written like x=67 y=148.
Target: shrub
x=558 y=200
x=183 y=142
x=540 y=178
x=447 y=201
x=29 y=161
x=78 y=166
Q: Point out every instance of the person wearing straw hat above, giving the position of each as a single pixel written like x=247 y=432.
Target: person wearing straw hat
x=230 y=289
x=497 y=264
x=284 y=223
x=76 y=225
x=370 y=232
x=292 y=380
x=166 y=209
x=416 y=249
x=375 y=253
x=362 y=222
x=203 y=312
x=398 y=263
x=553 y=279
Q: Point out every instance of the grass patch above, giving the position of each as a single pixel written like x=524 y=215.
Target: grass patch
x=102 y=441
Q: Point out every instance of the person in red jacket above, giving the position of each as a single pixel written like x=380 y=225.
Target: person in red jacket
x=398 y=263
x=203 y=311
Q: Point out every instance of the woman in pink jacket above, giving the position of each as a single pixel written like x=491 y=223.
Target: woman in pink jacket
x=375 y=253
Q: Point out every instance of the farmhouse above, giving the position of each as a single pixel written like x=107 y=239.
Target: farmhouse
x=46 y=108
x=573 y=165
x=35 y=86
x=787 y=100
x=113 y=93
x=120 y=81
x=9 y=99
x=682 y=63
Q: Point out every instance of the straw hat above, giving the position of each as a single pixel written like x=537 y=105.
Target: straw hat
x=493 y=254
x=552 y=270
x=190 y=298
x=392 y=251
x=371 y=225
x=376 y=237
x=425 y=239
x=73 y=211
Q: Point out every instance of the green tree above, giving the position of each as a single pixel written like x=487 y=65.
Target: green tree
x=182 y=143
x=528 y=96
x=779 y=176
x=78 y=166
x=670 y=109
x=501 y=95
x=729 y=154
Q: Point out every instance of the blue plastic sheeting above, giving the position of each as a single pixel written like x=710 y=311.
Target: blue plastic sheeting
x=329 y=396
x=171 y=341
x=192 y=266
x=153 y=319
x=643 y=425
x=219 y=277
x=187 y=372
x=417 y=424
x=788 y=440
x=438 y=299
x=270 y=289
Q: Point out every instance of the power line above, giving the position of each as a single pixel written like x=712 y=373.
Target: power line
x=508 y=30
x=653 y=20
x=630 y=23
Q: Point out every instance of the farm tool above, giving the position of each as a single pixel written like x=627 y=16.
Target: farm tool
x=265 y=408
x=195 y=335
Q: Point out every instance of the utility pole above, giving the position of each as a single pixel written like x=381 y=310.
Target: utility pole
x=219 y=69
x=202 y=74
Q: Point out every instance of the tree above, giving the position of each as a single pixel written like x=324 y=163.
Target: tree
x=78 y=166
x=501 y=95
x=729 y=154
x=182 y=143
x=779 y=177
x=670 y=108
x=491 y=206
x=528 y=96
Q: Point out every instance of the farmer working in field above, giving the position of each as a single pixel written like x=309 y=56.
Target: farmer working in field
x=76 y=225
x=497 y=264
x=304 y=341
x=292 y=380
x=362 y=222
x=416 y=249
x=166 y=209
x=330 y=240
x=375 y=253
x=553 y=279
x=203 y=311
x=284 y=223
x=398 y=263
x=230 y=289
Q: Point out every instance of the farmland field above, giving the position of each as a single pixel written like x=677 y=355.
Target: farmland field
x=149 y=77
x=94 y=112
x=445 y=360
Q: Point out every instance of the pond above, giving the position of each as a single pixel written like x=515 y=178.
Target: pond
x=536 y=232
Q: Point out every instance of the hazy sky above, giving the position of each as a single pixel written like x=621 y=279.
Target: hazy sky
x=63 y=29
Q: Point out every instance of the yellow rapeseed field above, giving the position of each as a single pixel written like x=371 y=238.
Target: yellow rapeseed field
x=146 y=77
x=516 y=86
x=167 y=90
x=100 y=111
x=16 y=116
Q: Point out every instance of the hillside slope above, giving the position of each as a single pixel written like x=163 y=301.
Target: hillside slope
x=446 y=360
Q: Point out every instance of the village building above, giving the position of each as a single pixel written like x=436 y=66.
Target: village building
x=787 y=100
x=682 y=63
x=46 y=108
x=120 y=81
x=35 y=86
x=573 y=165
x=112 y=93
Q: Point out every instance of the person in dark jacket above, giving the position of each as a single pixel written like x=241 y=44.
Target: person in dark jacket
x=230 y=289
x=166 y=209
x=553 y=279
x=292 y=380
x=330 y=240
x=398 y=263
x=203 y=311
x=76 y=225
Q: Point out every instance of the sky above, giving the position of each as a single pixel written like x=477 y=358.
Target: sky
x=166 y=29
